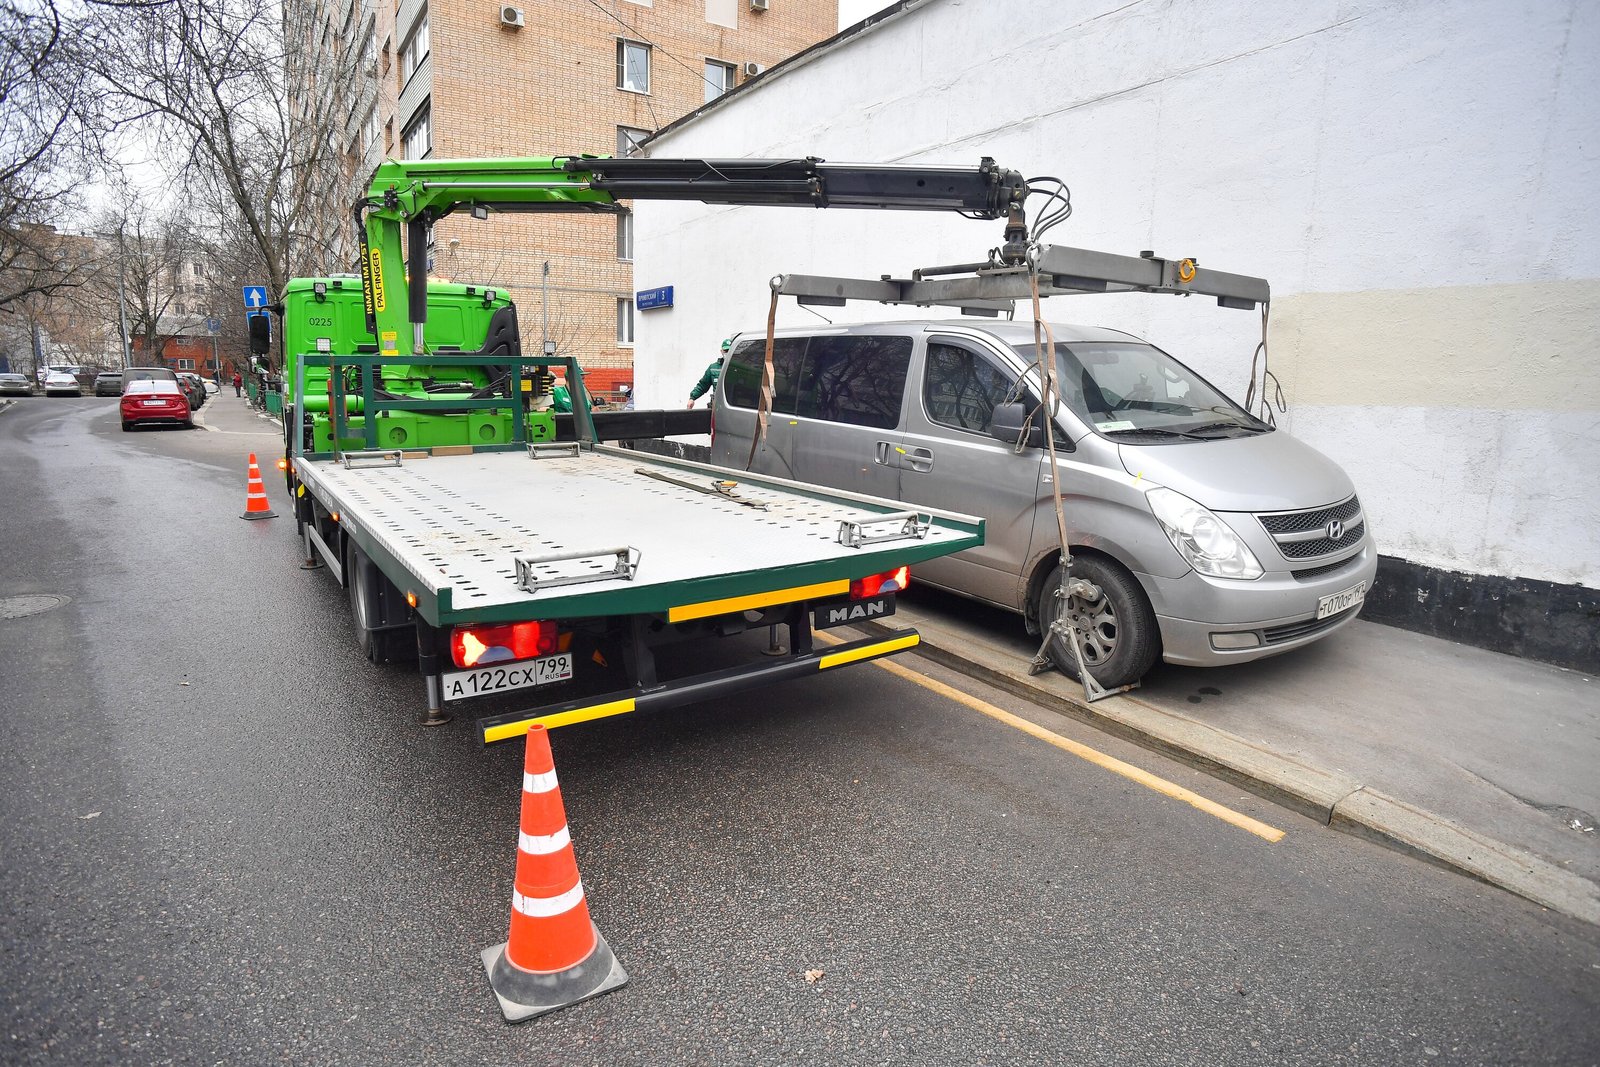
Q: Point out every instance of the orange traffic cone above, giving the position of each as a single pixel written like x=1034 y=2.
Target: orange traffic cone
x=555 y=955
x=255 y=495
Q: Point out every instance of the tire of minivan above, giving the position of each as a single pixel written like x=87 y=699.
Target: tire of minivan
x=1123 y=641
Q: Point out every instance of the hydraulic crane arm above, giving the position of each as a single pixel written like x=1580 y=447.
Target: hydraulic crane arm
x=417 y=193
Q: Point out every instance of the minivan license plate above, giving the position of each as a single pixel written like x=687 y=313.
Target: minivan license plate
x=1343 y=600
x=459 y=685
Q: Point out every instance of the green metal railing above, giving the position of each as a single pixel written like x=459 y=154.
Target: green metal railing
x=372 y=404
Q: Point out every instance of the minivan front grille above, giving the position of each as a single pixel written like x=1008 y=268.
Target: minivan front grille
x=1310 y=573
x=1276 y=635
x=1316 y=532
x=1299 y=521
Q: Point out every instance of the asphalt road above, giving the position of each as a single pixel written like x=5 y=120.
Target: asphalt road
x=226 y=840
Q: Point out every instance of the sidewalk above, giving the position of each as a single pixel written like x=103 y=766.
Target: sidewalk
x=226 y=413
x=1478 y=761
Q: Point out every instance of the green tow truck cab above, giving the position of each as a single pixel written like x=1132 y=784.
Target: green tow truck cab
x=327 y=316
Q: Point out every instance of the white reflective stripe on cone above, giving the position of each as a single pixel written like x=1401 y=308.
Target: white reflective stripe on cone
x=547 y=907
x=538 y=783
x=544 y=844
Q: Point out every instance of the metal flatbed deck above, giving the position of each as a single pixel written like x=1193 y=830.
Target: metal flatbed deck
x=457 y=524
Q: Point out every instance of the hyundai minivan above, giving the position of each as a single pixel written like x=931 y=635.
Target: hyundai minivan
x=1214 y=537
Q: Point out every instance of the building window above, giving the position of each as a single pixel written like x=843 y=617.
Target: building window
x=629 y=138
x=373 y=129
x=415 y=50
x=624 y=321
x=417 y=138
x=719 y=79
x=186 y=364
x=633 y=66
x=625 y=235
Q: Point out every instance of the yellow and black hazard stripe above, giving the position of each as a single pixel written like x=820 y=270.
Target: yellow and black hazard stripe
x=693 y=690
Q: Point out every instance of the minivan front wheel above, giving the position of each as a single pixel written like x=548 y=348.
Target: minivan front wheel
x=1121 y=640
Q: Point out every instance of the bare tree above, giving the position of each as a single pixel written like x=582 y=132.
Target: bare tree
x=213 y=79
x=49 y=137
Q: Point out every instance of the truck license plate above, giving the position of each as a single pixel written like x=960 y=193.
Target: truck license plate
x=459 y=685
x=1334 y=603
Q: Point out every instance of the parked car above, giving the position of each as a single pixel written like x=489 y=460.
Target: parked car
x=1215 y=538
x=60 y=383
x=108 y=383
x=145 y=374
x=15 y=385
x=194 y=387
x=155 y=400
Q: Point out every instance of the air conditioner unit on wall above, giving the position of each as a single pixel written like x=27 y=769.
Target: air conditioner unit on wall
x=752 y=69
x=511 y=16
x=758 y=5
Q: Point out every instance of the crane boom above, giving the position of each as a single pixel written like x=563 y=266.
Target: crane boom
x=417 y=193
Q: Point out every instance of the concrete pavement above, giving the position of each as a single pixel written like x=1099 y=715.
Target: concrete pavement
x=1480 y=762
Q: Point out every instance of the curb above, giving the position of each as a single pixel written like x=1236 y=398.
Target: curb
x=1333 y=798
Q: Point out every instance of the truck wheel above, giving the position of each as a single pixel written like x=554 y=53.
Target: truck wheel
x=1123 y=640
x=376 y=604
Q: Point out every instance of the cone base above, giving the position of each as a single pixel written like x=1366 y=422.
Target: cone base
x=526 y=994
x=268 y=514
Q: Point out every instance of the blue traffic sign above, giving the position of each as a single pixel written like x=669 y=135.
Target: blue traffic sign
x=255 y=300
x=213 y=326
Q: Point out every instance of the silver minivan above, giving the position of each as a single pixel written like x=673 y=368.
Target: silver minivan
x=1214 y=537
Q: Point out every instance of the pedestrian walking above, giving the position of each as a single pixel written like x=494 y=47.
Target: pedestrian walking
x=238 y=384
x=708 y=380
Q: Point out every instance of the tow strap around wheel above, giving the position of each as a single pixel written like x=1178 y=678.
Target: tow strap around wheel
x=1060 y=624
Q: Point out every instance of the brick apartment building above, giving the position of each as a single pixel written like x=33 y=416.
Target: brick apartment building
x=481 y=78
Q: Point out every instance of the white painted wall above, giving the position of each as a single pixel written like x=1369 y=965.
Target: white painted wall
x=1419 y=181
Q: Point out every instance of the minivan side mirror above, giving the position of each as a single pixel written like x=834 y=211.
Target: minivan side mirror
x=260 y=335
x=1006 y=425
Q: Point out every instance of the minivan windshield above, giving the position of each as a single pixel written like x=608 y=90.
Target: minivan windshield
x=1128 y=389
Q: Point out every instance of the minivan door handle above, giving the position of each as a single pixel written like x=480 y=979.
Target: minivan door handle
x=883 y=453
x=919 y=459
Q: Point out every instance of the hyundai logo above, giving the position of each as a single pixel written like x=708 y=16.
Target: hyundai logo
x=1335 y=530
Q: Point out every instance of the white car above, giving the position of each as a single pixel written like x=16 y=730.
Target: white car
x=58 y=383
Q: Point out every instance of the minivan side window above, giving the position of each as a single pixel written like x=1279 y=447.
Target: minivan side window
x=741 y=377
x=961 y=388
x=859 y=381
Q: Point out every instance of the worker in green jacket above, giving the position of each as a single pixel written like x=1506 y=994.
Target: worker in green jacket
x=708 y=380
x=560 y=398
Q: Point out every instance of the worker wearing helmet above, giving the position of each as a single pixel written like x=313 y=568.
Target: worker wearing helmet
x=708 y=380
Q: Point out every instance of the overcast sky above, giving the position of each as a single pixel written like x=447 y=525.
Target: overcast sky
x=853 y=11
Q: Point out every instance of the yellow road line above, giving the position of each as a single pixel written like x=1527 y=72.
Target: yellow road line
x=1094 y=756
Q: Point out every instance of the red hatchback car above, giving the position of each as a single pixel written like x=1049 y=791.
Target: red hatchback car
x=154 y=400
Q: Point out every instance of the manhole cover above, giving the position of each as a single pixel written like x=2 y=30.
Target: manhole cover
x=20 y=607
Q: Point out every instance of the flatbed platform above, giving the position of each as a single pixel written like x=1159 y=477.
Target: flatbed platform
x=458 y=523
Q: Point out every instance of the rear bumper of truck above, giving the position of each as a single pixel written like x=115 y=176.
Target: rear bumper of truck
x=797 y=663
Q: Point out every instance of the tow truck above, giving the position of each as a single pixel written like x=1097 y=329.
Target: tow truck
x=429 y=480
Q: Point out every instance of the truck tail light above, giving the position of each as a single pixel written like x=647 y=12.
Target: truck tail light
x=878 y=584
x=477 y=646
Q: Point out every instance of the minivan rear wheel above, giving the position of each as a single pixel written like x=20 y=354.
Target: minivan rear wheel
x=1121 y=638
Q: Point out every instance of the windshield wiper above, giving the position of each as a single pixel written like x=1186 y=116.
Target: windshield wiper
x=1151 y=431
x=1227 y=424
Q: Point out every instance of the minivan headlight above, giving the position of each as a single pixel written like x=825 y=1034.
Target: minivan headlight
x=1202 y=538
